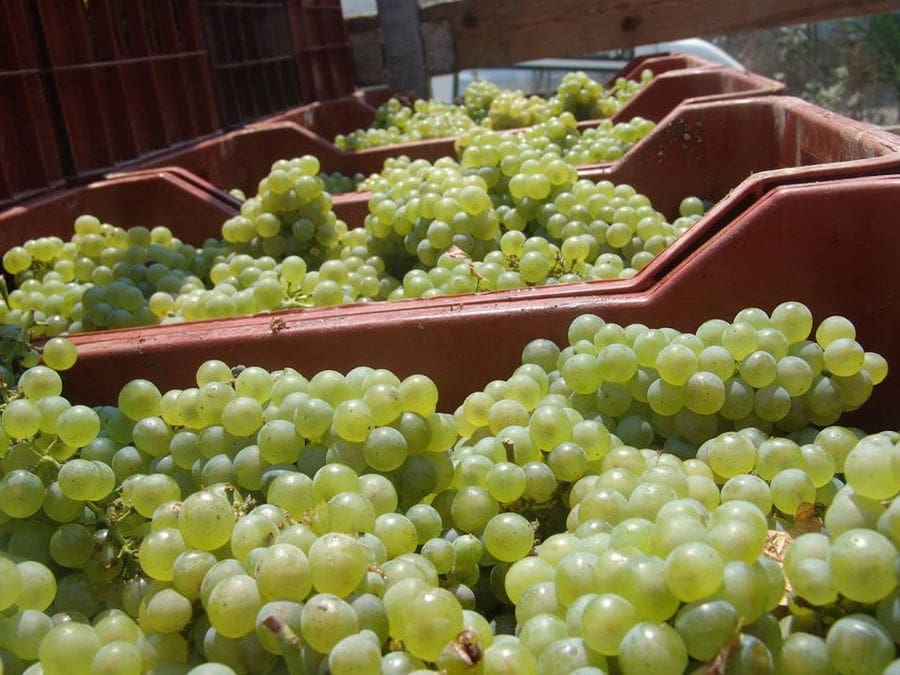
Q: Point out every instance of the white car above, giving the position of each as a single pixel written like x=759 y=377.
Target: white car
x=542 y=76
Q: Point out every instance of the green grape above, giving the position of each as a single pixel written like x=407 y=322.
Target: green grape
x=278 y=442
x=326 y=620
x=337 y=563
x=397 y=533
x=605 y=621
x=40 y=382
x=856 y=643
x=643 y=583
x=21 y=494
x=20 y=419
x=233 y=605
x=731 y=454
x=652 y=648
x=206 y=520
x=861 y=562
x=38 y=586
x=803 y=653
x=744 y=586
x=139 y=399
x=242 y=416
x=676 y=363
x=166 y=611
x=158 y=551
x=385 y=448
x=355 y=654
x=791 y=488
x=525 y=573
x=869 y=468
x=24 y=631
x=748 y=488
x=434 y=618
x=568 y=655
x=693 y=571
x=706 y=626
x=68 y=649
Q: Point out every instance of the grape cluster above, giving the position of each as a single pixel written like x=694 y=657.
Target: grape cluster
x=398 y=123
x=477 y=99
x=510 y=218
x=512 y=214
x=487 y=106
x=605 y=142
x=262 y=521
x=337 y=183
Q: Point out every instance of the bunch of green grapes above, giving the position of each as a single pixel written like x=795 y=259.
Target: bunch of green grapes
x=513 y=109
x=606 y=142
x=578 y=94
x=266 y=521
x=477 y=98
x=338 y=183
x=587 y=99
x=103 y=277
x=398 y=123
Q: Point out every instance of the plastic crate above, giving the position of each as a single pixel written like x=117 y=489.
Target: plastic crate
x=661 y=63
x=29 y=159
x=148 y=199
x=239 y=159
x=252 y=59
x=692 y=85
x=800 y=242
x=322 y=48
x=327 y=119
x=654 y=102
x=131 y=78
x=727 y=152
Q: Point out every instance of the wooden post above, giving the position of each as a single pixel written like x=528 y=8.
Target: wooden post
x=404 y=57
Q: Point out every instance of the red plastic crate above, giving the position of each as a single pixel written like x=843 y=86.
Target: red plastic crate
x=239 y=159
x=29 y=159
x=664 y=93
x=322 y=48
x=727 y=152
x=832 y=245
x=661 y=63
x=131 y=78
x=692 y=85
x=251 y=56
x=148 y=199
x=327 y=119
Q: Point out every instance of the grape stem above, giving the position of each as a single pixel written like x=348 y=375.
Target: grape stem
x=289 y=644
x=124 y=545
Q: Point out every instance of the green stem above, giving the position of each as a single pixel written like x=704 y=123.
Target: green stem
x=289 y=644
x=123 y=543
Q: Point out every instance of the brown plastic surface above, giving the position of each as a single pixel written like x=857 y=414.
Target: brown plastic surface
x=726 y=152
x=130 y=78
x=661 y=63
x=322 y=48
x=251 y=56
x=148 y=199
x=654 y=102
x=29 y=157
x=239 y=159
x=832 y=245
x=692 y=85
x=330 y=118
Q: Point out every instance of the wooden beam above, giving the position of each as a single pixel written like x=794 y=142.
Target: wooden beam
x=404 y=57
x=486 y=33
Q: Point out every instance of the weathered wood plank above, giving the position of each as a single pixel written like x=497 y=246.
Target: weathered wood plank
x=404 y=57
x=498 y=32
